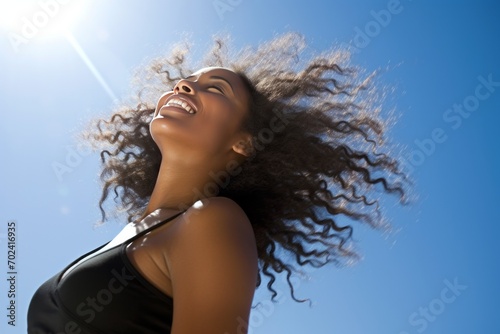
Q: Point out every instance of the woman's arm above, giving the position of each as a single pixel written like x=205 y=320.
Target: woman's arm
x=212 y=260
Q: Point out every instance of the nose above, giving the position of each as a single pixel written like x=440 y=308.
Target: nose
x=184 y=86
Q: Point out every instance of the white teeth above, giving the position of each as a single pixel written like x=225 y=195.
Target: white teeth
x=182 y=104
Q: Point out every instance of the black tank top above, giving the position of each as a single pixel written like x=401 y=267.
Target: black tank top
x=104 y=294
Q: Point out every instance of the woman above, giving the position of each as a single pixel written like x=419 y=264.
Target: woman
x=237 y=167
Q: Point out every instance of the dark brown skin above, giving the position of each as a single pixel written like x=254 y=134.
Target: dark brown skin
x=205 y=259
x=193 y=145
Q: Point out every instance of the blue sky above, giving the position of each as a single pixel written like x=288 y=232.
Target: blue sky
x=438 y=274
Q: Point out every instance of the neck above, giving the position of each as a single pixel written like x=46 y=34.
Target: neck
x=178 y=187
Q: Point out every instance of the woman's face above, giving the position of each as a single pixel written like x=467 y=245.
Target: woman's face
x=202 y=117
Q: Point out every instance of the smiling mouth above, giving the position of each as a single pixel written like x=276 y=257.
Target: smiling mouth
x=176 y=102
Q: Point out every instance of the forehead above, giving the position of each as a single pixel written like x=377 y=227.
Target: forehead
x=218 y=70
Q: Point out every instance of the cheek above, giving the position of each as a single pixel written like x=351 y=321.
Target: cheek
x=221 y=126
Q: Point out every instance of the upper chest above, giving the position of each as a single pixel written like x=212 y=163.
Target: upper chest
x=147 y=252
x=103 y=287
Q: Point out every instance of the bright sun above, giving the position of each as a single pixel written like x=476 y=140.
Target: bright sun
x=25 y=21
x=28 y=19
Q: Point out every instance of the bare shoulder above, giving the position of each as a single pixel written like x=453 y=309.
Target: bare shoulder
x=212 y=219
x=217 y=217
x=217 y=210
x=213 y=265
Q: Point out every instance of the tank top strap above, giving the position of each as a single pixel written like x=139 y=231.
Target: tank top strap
x=149 y=229
x=98 y=250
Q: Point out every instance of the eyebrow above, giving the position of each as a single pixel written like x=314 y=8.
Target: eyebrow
x=223 y=79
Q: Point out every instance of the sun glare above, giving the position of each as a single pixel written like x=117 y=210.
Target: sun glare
x=35 y=21
x=9 y=10
x=26 y=20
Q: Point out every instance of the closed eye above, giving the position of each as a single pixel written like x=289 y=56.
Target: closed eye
x=218 y=88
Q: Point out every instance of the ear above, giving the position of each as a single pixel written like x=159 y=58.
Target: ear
x=244 y=146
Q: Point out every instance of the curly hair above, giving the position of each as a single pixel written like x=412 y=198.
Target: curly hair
x=320 y=152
